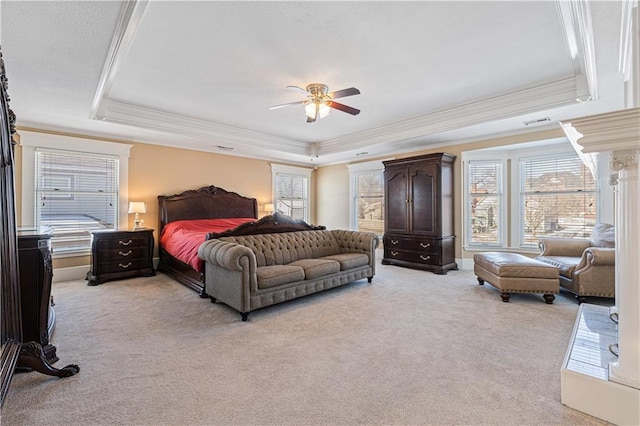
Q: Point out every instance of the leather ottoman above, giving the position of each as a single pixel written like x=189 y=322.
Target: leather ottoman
x=515 y=273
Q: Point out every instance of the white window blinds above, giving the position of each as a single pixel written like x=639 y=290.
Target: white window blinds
x=75 y=194
x=557 y=198
x=291 y=195
x=369 y=201
x=484 y=202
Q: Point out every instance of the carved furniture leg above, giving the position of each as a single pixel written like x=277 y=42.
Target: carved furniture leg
x=32 y=357
x=549 y=298
x=505 y=296
x=480 y=281
x=369 y=279
x=244 y=315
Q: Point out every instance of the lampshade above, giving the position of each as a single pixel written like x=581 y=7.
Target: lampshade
x=310 y=109
x=137 y=207
x=269 y=208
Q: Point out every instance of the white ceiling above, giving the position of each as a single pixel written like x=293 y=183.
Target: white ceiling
x=202 y=75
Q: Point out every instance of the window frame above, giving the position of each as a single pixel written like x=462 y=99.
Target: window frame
x=354 y=171
x=30 y=141
x=303 y=172
x=503 y=219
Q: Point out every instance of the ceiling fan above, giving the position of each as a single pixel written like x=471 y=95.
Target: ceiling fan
x=320 y=101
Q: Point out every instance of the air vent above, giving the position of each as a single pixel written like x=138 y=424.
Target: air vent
x=536 y=121
x=224 y=148
x=361 y=153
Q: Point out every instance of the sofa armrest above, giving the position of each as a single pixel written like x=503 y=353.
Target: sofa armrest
x=356 y=241
x=228 y=255
x=569 y=247
x=597 y=256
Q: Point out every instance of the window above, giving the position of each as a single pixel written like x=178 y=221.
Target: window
x=367 y=197
x=515 y=195
x=291 y=191
x=557 y=198
x=75 y=194
x=484 y=207
x=74 y=185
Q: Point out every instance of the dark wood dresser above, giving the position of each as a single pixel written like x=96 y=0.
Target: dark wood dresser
x=419 y=213
x=36 y=273
x=117 y=255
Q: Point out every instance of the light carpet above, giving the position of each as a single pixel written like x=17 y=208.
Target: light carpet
x=410 y=348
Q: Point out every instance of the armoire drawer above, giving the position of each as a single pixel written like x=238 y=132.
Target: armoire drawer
x=424 y=245
x=412 y=256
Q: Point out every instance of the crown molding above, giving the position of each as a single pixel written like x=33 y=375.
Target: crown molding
x=508 y=105
x=129 y=21
x=575 y=17
x=153 y=119
x=613 y=131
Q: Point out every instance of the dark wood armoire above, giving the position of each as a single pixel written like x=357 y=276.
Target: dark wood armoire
x=419 y=213
x=16 y=352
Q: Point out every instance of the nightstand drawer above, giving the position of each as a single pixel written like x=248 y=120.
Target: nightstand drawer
x=125 y=242
x=124 y=265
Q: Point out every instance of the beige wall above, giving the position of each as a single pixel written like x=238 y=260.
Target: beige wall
x=333 y=182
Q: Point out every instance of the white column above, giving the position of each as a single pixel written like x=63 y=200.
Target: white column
x=626 y=370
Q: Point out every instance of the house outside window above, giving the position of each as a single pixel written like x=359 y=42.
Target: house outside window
x=73 y=186
x=557 y=198
x=552 y=194
x=366 y=204
x=291 y=186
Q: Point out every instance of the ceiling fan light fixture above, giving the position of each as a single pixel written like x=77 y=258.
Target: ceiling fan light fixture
x=323 y=109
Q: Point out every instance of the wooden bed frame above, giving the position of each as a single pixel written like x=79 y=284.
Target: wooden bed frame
x=209 y=202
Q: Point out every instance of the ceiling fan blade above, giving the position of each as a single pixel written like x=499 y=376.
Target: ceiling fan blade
x=343 y=108
x=344 y=92
x=287 y=104
x=299 y=89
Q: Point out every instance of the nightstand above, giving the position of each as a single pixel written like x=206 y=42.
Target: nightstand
x=116 y=255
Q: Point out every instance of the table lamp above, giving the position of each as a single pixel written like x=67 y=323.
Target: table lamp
x=137 y=207
x=268 y=208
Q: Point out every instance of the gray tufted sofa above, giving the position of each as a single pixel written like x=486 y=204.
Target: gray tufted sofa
x=254 y=271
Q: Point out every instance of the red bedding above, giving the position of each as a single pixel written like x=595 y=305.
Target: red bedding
x=182 y=238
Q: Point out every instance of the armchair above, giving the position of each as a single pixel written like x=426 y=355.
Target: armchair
x=586 y=267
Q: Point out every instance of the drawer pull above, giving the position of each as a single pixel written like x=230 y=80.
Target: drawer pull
x=394 y=242
x=423 y=245
x=125 y=244
x=124 y=266
x=125 y=254
x=394 y=253
x=425 y=257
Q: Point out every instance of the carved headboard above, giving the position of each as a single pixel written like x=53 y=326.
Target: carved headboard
x=209 y=202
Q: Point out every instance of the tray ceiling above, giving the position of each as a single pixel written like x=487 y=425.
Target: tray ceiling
x=201 y=75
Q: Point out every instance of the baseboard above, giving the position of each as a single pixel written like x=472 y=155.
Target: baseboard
x=70 y=274
x=79 y=272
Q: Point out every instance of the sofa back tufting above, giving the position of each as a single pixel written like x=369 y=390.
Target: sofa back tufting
x=287 y=247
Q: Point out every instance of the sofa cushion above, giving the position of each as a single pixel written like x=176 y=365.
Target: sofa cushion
x=349 y=260
x=565 y=264
x=314 y=268
x=272 y=276
x=603 y=235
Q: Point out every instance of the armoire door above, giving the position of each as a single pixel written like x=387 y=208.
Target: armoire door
x=423 y=202
x=397 y=196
